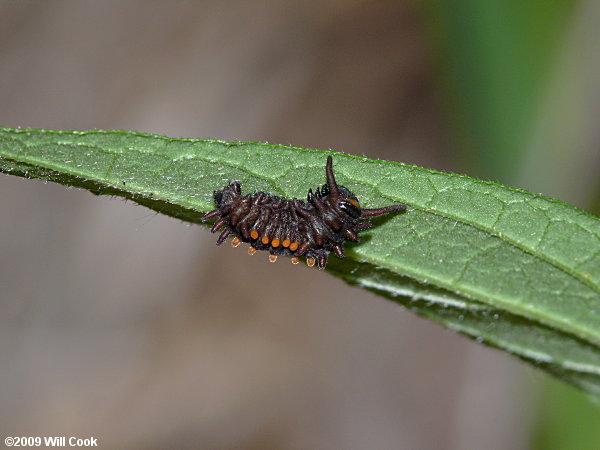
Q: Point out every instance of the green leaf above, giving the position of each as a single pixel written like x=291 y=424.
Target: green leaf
x=509 y=268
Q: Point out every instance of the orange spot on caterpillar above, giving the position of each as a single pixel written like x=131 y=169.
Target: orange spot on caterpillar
x=254 y=234
x=286 y=243
x=272 y=258
x=236 y=241
x=265 y=240
x=293 y=246
x=353 y=202
x=310 y=261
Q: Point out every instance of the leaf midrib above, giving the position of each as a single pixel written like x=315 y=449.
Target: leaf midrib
x=472 y=306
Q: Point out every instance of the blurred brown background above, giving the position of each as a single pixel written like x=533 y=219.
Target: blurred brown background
x=136 y=329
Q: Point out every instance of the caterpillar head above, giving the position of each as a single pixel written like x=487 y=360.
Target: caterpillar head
x=344 y=201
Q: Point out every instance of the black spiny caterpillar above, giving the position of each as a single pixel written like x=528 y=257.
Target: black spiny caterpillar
x=293 y=227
